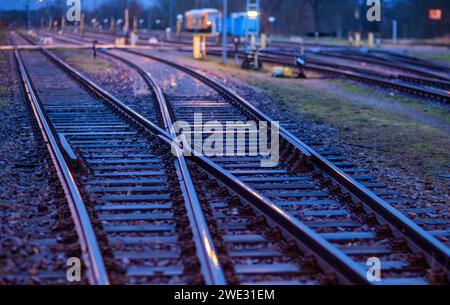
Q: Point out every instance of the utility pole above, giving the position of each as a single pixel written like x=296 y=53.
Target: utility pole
x=150 y=20
x=126 y=19
x=224 y=32
x=394 y=30
x=171 y=14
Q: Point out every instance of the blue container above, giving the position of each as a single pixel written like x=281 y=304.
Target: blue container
x=238 y=23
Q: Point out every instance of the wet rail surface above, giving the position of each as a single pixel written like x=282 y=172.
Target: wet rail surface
x=307 y=194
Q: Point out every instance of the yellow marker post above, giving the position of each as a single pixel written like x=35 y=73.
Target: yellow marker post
x=252 y=41
x=197 y=50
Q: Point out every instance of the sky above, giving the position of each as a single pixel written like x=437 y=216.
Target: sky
x=20 y=4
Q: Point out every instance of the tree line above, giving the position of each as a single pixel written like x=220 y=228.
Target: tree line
x=293 y=17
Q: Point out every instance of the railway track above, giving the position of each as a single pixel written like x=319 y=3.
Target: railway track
x=427 y=80
x=418 y=86
x=133 y=190
x=390 y=58
x=384 y=60
x=271 y=179
x=338 y=215
x=425 y=85
x=129 y=192
x=252 y=240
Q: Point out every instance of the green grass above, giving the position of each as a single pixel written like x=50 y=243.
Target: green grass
x=396 y=138
x=443 y=56
x=85 y=61
x=441 y=113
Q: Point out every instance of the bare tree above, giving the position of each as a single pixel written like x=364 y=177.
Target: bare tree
x=315 y=4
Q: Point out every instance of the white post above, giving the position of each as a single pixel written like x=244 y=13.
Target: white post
x=394 y=31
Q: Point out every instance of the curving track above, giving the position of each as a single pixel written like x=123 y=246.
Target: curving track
x=427 y=81
x=324 y=210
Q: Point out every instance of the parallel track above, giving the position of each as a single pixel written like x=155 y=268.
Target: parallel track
x=428 y=85
x=318 y=190
x=125 y=214
x=235 y=108
x=134 y=188
x=371 y=78
x=282 y=272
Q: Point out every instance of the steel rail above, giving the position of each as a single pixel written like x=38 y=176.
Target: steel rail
x=203 y=239
x=207 y=254
x=410 y=60
x=413 y=60
x=310 y=240
x=380 y=61
x=374 y=58
x=355 y=74
x=423 y=92
x=228 y=93
x=420 y=240
x=328 y=255
x=92 y=256
x=444 y=84
x=195 y=212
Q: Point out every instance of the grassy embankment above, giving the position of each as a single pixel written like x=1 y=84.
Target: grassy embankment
x=398 y=139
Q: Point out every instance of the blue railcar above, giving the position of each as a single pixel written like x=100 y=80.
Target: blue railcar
x=239 y=23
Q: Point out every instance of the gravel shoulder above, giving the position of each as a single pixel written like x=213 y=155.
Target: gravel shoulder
x=37 y=234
